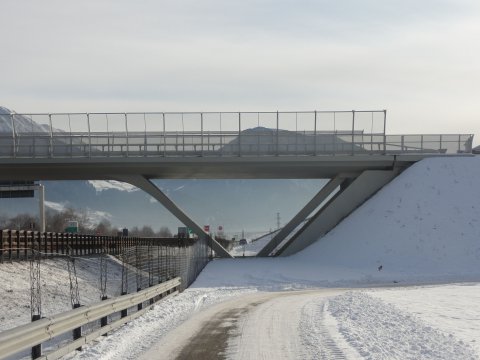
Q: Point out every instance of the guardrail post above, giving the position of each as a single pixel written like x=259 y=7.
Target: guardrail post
x=104 y=320
x=77 y=332
x=37 y=349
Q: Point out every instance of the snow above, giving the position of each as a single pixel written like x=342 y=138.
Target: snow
x=102 y=185
x=424 y=226
x=55 y=290
x=423 y=229
x=379 y=330
x=253 y=246
x=452 y=308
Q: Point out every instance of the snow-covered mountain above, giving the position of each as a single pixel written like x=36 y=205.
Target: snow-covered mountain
x=23 y=124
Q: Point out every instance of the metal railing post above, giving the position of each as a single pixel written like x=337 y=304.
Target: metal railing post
x=51 y=134
x=14 y=139
x=315 y=134
x=239 y=134
x=277 y=147
x=89 y=139
x=384 y=132
x=201 y=134
x=126 y=133
x=353 y=132
x=164 y=137
x=145 y=140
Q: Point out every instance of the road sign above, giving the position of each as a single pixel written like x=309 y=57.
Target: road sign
x=16 y=189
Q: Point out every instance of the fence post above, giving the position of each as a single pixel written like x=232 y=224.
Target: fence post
x=103 y=283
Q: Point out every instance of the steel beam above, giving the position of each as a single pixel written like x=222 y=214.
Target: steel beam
x=150 y=188
x=323 y=194
x=339 y=207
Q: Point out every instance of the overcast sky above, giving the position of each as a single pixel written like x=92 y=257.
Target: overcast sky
x=419 y=59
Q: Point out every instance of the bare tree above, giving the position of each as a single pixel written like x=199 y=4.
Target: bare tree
x=22 y=222
x=103 y=228
x=164 y=232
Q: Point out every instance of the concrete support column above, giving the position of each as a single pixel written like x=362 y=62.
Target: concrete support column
x=323 y=194
x=146 y=185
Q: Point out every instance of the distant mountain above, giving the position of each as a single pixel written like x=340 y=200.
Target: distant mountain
x=22 y=123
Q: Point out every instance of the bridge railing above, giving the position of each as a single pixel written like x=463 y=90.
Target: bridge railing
x=214 y=134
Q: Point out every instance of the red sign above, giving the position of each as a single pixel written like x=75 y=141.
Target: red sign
x=206 y=228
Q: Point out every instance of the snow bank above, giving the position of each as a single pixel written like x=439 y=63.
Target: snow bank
x=378 y=330
x=424 y=226
x=55 y=287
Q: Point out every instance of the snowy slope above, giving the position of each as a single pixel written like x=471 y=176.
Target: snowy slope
x=423 y=226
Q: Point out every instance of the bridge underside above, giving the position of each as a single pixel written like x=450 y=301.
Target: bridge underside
x=357 y=176
x=282 y=167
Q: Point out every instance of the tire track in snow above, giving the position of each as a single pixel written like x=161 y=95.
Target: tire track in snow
x=380 y=331
x=290 y=325
x=320 y=336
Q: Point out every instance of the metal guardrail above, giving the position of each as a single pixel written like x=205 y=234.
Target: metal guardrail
x=30 y=335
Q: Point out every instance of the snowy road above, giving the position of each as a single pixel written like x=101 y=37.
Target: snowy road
x=276 y=325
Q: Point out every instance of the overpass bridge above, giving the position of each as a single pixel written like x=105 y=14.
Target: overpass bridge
x=351 y=148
